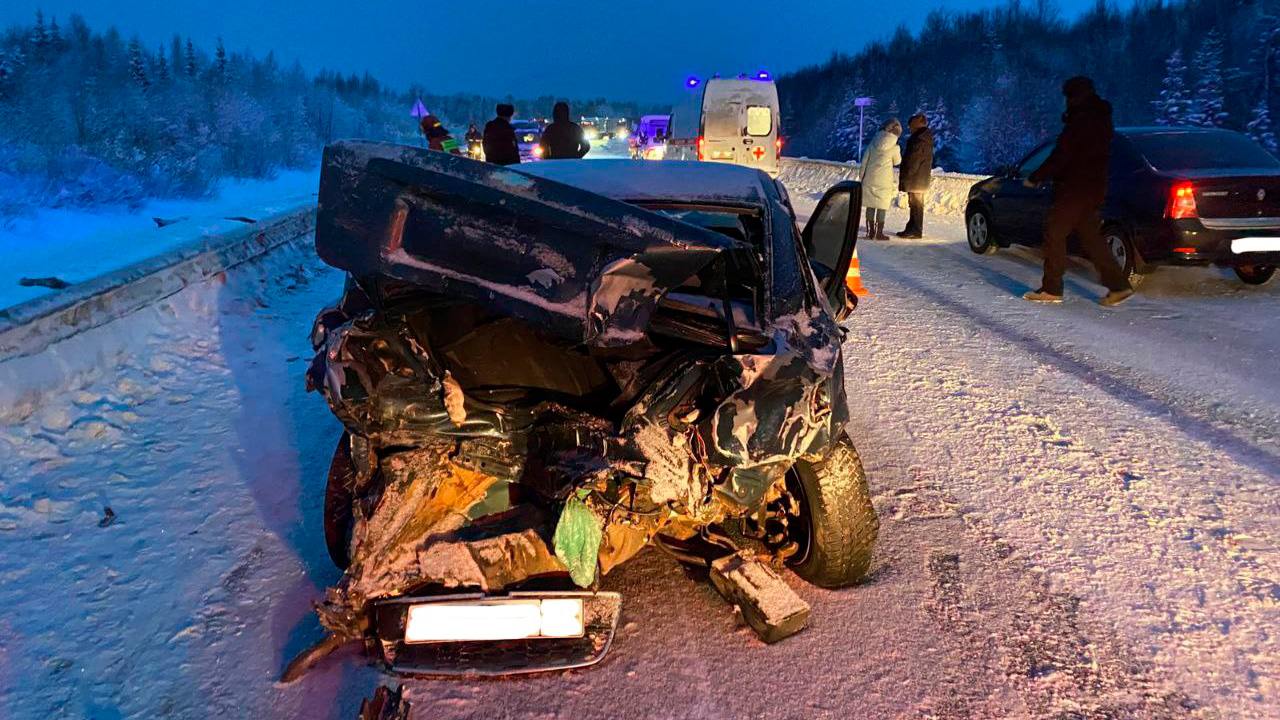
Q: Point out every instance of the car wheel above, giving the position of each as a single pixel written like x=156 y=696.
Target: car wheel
x=1255 y=274
x=981 y=240
x=337 y=504
x=834 y=525
x=1125 y=253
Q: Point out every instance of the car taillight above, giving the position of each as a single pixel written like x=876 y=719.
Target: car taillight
x=702 y=154
x=1182 y=201
x=777 y=147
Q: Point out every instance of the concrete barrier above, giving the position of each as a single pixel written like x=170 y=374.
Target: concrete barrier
x=948 y=192
x=30 y=327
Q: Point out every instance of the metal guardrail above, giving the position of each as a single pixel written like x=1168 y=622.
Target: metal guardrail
x=30 y=327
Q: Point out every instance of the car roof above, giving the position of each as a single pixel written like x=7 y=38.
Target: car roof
x=666 y=180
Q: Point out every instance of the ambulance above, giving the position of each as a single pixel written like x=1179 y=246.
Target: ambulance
x=728 y=121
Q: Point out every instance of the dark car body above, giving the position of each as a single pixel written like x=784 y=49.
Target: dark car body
x=1176 y=196
x=654 y=345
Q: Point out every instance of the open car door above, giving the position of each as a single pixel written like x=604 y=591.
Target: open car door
x=829 y=240
x=583 y=267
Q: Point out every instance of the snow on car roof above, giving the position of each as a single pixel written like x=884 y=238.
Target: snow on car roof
x=634 y=180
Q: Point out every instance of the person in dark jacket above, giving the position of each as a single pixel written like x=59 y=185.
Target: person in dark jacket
x=1077 y=167
x=563 y=139
x=915 y=173
x=500 y=146
x=437 y=135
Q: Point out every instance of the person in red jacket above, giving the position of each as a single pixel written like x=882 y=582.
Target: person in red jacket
x=438 y=138
x=1078 y=168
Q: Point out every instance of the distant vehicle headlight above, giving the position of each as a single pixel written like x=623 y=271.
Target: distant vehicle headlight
x=537 y=151
x=623 y=134
x=591 y=133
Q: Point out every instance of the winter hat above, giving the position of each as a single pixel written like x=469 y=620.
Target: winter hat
x=560 y=111
x=505 y=110
x=1078 y=86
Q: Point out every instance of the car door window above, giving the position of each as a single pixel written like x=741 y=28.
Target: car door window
x=828 y=230
x=830 y=236
x=1034 y=161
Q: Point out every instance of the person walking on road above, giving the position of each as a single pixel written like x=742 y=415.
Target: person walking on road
x=500 y=146
x=877 y=176
x=1077 y=167
x=917 y=170
x=563 y=139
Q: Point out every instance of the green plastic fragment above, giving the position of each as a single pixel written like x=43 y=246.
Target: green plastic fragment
x=577 y=539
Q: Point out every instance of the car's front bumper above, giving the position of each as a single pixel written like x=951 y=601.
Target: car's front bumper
x=494 y=658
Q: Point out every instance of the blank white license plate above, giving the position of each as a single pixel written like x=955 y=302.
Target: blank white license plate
x=1255 y=244
x=488 y=620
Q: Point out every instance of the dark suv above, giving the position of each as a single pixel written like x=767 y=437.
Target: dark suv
x=541 y=372
x=1177 y=196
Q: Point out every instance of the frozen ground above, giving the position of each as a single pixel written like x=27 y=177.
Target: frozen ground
x=1079 y=515
x=76 y=245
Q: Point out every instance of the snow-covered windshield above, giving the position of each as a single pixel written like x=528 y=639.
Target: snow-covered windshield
x=1175 y=150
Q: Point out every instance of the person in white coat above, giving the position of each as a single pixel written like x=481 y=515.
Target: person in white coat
x=878 y=186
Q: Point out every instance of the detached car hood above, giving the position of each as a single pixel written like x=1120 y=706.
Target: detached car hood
x=585 y=268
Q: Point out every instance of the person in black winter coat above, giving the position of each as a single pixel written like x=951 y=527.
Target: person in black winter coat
x=1078 y=167
x=500 y=146
x=563 y=139
x=915 y=173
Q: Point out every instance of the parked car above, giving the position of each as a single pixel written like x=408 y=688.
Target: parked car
x=1177 y=196
x=543 y=370
x=529 y=139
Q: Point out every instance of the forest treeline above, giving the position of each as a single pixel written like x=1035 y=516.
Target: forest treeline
x=989 y=80
x=89 y=117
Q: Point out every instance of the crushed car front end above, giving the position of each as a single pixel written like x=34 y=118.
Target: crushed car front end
x=536 y=383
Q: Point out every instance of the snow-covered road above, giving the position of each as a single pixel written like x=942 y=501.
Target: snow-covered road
x=1079 y=519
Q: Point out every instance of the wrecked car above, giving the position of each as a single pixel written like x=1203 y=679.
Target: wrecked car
x=542 y=372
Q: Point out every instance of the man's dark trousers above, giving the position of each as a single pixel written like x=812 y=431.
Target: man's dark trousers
x=1080 y=216
x=915 y=224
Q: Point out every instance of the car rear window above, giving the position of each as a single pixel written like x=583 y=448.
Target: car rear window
x=1174 y=151
x=759 y=120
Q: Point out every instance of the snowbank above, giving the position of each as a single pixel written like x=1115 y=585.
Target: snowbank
x=76 y=245
x=48 y=341
x=947 y=193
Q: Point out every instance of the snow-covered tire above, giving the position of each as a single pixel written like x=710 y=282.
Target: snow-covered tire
x=840 y=520
x=338 y=498
x=1125 y=253
x=979 y=233
x=1255 y=274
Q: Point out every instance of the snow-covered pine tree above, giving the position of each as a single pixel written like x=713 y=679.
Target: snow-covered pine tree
x=137 y=68
x=1260 y=128
x=162 y=66
x=1208 y=108
x=189 y=67
x=55 y=34
x=220 y=62
x=1174 y=105
x=944 y=135
x=40 y=33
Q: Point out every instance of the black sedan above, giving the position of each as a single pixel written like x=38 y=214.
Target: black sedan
x=1177 y=196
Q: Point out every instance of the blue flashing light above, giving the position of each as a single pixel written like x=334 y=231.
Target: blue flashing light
x=692 y=82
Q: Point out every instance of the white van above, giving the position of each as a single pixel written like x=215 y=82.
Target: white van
x=729 y=121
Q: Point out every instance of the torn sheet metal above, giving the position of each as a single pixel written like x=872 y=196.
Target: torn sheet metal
x=587 y=268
